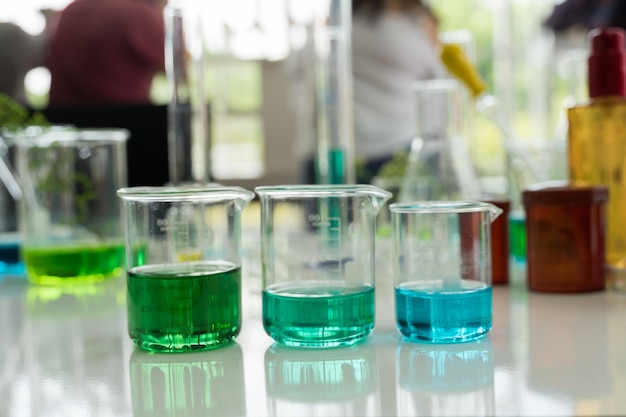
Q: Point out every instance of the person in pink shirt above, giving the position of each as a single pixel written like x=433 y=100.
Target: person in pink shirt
x=106 y=52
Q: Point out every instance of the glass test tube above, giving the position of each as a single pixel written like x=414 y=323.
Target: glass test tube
x=188 y=137
x=333 y=85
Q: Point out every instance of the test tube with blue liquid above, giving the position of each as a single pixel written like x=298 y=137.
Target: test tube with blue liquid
x=442 y=270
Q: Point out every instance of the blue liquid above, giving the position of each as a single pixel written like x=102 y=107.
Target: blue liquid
x=10 y=262
x=439 y=315
x=318 y=315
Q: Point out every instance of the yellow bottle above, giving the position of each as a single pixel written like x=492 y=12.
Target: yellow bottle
x=597 y=141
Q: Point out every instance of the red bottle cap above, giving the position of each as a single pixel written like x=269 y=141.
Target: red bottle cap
x=607 y=63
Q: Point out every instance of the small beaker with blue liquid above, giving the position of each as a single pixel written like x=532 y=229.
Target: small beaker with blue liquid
x=317 y=251
x=442 y=269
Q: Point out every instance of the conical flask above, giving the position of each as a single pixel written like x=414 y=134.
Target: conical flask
x=440 y=166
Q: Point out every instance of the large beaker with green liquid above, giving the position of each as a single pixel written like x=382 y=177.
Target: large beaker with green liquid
x=183 y=257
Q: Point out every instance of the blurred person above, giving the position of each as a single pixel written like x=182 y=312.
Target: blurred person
x=394 y=44
x=586 y=15
x=106 y=52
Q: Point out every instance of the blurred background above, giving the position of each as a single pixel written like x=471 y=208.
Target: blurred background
x=252 y=87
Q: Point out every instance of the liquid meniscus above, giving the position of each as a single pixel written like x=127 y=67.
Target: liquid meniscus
x=318 y=314
x=184 y=307
x=440 y=315
x=70 y=264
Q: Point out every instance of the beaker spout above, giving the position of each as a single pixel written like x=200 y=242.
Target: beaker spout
x=243 y=198
x=494 y=211
x=378 y=198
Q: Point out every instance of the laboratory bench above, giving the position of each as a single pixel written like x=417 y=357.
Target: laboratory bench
x=65 y=352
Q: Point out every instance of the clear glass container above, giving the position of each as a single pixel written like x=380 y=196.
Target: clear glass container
x=183 y=260
x=317 y=251
x=69 y=217
x=440 y=165
x=333 y=85
x=188 y=110
x=442 y=269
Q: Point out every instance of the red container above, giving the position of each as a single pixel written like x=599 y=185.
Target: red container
x=500 y=252
x=565 y=237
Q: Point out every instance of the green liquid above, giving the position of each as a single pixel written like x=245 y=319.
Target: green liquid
x=318 y=314
x=336 y=168
x=184 y=307
x=336 y=165
x=73 y=264
x=517 y=236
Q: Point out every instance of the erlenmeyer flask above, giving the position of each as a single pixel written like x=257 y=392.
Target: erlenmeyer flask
x=440 y=166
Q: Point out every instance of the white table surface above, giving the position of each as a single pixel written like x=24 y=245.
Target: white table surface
x=65 y=352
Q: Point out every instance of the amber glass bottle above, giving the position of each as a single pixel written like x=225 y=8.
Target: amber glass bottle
x=565 y=229
x=597 y=140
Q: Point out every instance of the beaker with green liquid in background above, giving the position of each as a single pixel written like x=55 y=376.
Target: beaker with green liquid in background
x=69 y=216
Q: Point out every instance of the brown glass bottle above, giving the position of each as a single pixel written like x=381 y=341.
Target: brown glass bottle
x=565 y=228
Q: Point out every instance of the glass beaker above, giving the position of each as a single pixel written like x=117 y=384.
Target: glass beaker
x=442 y=269
x=69 y=217
x=183 y=258
x=317 y=250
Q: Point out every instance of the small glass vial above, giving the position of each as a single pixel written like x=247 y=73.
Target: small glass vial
x=565 y=227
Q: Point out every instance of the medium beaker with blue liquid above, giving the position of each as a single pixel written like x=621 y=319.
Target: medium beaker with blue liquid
x=317 y=251
x=442 y=269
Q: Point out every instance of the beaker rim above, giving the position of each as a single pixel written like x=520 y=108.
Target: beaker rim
x=190 y=192
x=322 y=190
x=462 y=206
x=47 y=135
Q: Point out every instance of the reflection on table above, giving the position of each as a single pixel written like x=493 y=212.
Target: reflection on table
x=191 y=384
x=66 y=352
x=71 y=342
x=447 y=380
x=322 y=382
